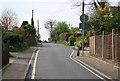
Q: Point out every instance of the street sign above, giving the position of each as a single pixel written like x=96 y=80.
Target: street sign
x=83 y=17
x=87 y=26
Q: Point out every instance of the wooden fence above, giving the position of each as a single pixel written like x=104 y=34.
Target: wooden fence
x=106 y=46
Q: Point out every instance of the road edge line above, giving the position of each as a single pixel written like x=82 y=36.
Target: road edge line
x=29 y=63
x=34 y=65
x=86 y=66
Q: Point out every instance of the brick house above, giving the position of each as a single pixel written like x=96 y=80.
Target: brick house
x=65 y=36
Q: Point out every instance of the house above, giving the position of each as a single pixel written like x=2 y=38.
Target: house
x=65 y=36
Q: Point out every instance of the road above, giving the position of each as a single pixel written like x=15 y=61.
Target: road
x=53 y=62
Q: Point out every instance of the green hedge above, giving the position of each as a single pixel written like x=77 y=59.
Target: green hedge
x=19 y=47
x=13 y=37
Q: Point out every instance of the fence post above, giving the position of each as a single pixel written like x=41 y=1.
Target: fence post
x=113 y=44
x=94 y=45
x=0 y=49
x=103 y=44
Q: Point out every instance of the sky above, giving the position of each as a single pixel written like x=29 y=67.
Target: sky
x=59 y=10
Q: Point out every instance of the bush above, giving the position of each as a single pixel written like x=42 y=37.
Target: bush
x=67 y=44
x=19 y=47
x=13 y=37
x=72 y=39
x=77 y=43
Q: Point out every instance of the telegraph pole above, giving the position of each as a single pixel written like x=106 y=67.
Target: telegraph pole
x=32 y=21
x=38 y=27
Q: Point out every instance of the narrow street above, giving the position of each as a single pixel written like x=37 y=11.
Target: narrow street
x=54 y=63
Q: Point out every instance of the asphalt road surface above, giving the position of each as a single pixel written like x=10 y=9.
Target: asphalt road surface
x=54 y=63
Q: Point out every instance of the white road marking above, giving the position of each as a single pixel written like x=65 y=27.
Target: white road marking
x=86 y=67
x=29 y=63
x=34 y=66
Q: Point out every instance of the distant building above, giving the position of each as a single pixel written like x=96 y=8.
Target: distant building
x=65 y=36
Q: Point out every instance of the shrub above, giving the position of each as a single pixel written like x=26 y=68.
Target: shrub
x=13 y=37
x=77 y=43
x=19 y=47
x=72 y=39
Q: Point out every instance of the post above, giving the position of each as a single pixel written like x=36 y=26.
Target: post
x=94 y=44
x=38 y=27
x=103 y=44
x=32 y=21
x=113 y=45
x=1 y=49
x=83 y=24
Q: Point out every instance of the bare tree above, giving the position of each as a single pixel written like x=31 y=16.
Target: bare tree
x=50 y=24
x=100 y=3
x=8 y=19
x=95 y=3
x=119 y=3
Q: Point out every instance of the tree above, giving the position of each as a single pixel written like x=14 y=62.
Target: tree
x=50 y=24
x=74 y=29
x=24 y=23
x=30 y=30
x=100 y=20
x=60 y=28
x=8 y=19
x=106 y=19
x=115 y=19
x=100 y=3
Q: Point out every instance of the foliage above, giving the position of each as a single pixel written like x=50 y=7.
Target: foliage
x=100 y=20
x=115 y=19
x=72 y=38
x=30 y=30
x=8 y=19
x=79 y=39
x=17 y=42
x=20 y=30
x=61 y=27
x=13 y=37
x=74 y=29
x=19 y=47
x=24 y=23
x=105 y=19
x=77 y=43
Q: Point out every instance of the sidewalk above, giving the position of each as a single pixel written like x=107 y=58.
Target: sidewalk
x=107 y=70
x=18 y=67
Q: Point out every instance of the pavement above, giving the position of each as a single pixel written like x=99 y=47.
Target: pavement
x=19 y=64
x=105 y=69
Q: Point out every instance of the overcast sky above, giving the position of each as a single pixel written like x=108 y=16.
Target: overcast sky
x=60 y=10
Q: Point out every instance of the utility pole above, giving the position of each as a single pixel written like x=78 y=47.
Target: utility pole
x=32 y=21
x=38 y=27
